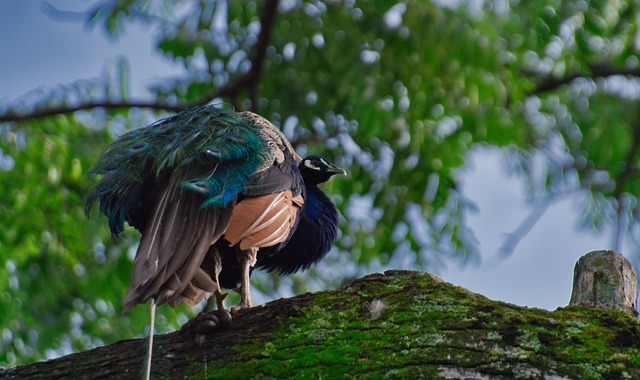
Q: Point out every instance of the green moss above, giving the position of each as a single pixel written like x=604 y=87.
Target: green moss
x=423 y=326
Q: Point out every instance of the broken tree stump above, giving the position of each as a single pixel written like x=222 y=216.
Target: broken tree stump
x=605 y=279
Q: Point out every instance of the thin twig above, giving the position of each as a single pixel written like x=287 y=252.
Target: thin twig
x=514 y=237
x=541 y=206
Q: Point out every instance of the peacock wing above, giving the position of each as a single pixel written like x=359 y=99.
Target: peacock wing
x=172 y=249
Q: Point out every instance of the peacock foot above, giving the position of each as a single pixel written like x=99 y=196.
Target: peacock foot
x=239 y=309
x=244 y=305
x=207 y=323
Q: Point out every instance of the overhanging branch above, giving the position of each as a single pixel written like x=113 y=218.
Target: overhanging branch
x=551 y=83
x=248 y=81
x=12 y=116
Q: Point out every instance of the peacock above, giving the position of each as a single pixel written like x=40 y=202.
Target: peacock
x=315 y=233
x=214 y=194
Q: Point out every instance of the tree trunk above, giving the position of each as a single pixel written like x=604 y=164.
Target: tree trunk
x=400 y=324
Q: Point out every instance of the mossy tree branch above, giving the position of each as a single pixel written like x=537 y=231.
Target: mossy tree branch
x=400 y=324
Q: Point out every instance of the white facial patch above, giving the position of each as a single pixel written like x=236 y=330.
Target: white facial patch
x=308 y=164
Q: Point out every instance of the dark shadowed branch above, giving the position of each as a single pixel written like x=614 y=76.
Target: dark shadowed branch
x=551 y=83
x=107 y=104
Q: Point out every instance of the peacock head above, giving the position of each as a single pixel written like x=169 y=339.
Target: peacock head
x=317 y=169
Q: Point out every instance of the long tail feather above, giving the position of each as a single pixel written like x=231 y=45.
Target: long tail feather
x=149 y=355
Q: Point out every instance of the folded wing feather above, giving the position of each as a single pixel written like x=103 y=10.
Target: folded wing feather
x=169 y=268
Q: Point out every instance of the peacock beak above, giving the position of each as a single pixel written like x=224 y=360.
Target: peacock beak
x=335 y=169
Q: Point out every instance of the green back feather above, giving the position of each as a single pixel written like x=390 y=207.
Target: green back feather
x=208 y=150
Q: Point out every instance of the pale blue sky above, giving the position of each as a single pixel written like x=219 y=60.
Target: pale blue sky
x=38 y=51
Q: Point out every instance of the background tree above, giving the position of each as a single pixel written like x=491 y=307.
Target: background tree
x=397 y=92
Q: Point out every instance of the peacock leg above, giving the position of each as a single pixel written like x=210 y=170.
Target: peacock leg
x=208 y=322
x=218 y=294
x=247 y=259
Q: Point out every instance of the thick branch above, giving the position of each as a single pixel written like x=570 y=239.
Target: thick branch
x=400 y=324
x=551 y=83
x=248 y=81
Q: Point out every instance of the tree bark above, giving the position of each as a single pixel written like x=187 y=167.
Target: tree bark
x=400 y=324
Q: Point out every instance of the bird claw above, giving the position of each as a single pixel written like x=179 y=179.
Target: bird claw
x=207 y=322
x=220 y=297
x=239 y=309
x=244 y=305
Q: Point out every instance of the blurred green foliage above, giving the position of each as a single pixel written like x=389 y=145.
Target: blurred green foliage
x=397 y=92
